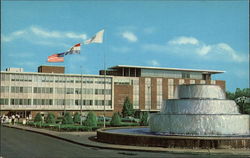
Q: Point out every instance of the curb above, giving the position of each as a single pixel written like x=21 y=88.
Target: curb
x=205 y=152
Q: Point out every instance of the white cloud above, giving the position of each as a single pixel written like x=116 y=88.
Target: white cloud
x=130 y=36
x=56 y=34
x=192 y=47
x=229 y=51
x=13 y=36
x=203 y=50
x=184 y=40
x=40 y=32
x=154 y=63
x=74 y=35
x=37 y=33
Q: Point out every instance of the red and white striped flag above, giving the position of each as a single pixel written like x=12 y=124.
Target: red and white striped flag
x=56 y=58
x=74 y=50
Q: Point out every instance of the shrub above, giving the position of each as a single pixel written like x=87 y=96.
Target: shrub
x=144 y=119
x=77 y=118
x=38 y=118
x=127 y=109
x=130 y=124
x=67 y=119
x=50 y=118
x=91 y=120
x=116 y=120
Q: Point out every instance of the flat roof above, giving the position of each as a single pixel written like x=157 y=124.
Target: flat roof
x=170 y=69
x=55 y=74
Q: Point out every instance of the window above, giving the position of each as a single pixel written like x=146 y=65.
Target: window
x=185 y=75
x=4 y=89
x=4 y=101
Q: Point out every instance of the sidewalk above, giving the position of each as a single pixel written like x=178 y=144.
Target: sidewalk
x=88 y=139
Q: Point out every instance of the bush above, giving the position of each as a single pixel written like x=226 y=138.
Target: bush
x=130 y=119
x=91 y=120
x=77 y=118
x=130 y=124
x=67 y=119
x=38 y=118
x=50 y=118
x=127 y=109
x=144 y=119
x=116 y=120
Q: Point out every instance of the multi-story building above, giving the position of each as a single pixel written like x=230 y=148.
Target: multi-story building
x=49 y=89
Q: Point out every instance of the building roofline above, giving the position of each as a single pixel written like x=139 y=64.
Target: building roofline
x=55 y=74
x=51 y=66
x=170 y=69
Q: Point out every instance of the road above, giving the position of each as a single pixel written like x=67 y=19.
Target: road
x=23 y=144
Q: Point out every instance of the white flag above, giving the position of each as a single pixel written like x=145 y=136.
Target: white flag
x=98 y=38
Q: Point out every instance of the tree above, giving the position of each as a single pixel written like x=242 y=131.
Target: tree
x=67 y=118
x=116 y=120
x=127 y=109
x=241 y=98
x=38 y=118
x=50 y=118
x=91 y=120
x=144 y=119
x=77 y=118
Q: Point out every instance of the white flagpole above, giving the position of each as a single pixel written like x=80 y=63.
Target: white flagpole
x=104 y=106
x=81 y=97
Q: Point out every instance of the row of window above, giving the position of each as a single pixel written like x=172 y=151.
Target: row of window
x=4 y=101
x=56 y=79
x=42 y=90
x=15 y=89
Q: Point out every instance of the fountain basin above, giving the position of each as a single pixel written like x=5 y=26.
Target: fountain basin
x=200 y=124
x=143 y=137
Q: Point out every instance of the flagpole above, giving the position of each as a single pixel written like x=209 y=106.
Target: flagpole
x=81 y=96
x=98 y=38
x=64 y=108
x=104 y=107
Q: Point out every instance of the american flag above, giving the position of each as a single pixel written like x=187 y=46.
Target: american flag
x=56 y=58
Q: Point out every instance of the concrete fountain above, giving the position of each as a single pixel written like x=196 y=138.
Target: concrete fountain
x=198 y=117
x=200 y=110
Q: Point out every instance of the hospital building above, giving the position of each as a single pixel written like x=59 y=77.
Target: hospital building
x=50 y=89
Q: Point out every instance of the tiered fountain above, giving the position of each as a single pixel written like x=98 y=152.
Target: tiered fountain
x=200 y=110
x=198 y=117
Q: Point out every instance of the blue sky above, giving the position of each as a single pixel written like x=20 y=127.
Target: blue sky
x=180 y=34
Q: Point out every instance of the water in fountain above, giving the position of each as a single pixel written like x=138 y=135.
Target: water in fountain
x=199 y=110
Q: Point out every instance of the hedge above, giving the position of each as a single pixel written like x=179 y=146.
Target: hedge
x=63 y=127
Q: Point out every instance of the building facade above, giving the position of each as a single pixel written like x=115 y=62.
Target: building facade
x=27 y=93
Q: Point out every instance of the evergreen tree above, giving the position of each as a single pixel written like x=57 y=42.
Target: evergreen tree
x=77 y=118
x=127 y=109
x=116 y=120
x=91 y=120
x=38 y=118
x=67 y=118
x=50 y=118
x=144 y=119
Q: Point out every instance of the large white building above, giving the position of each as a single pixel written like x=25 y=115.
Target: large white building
x=49 y=89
